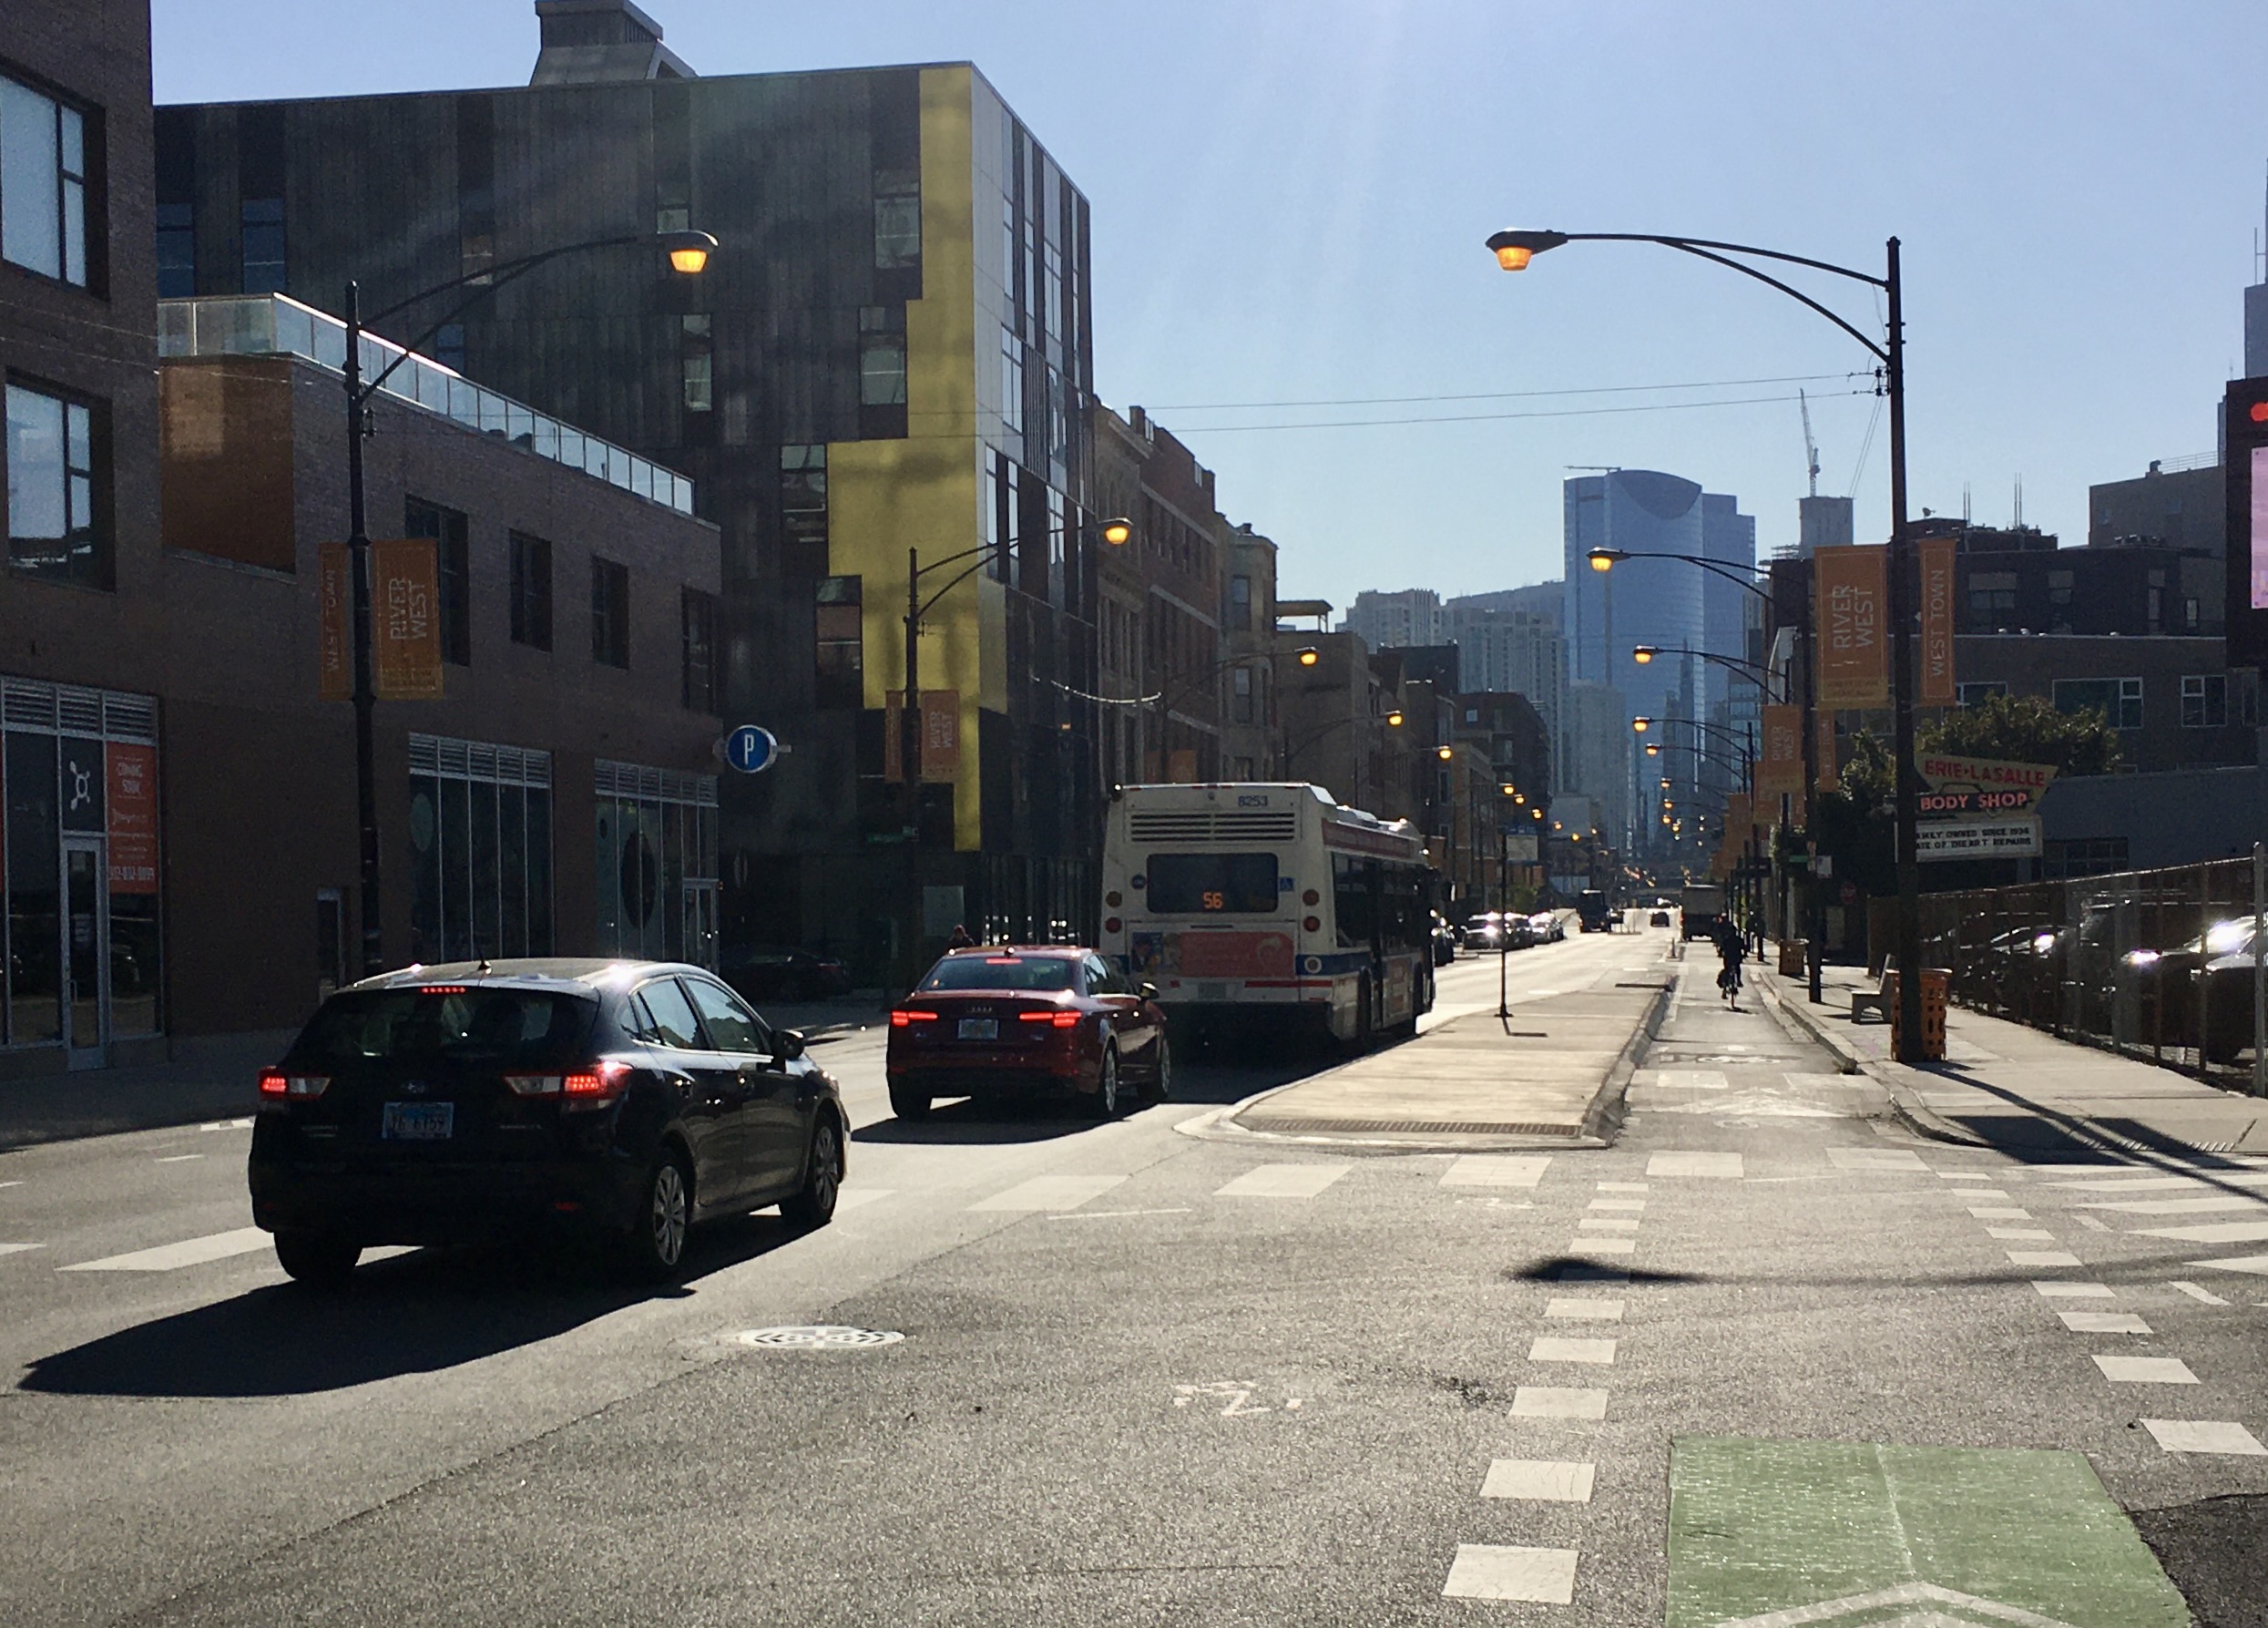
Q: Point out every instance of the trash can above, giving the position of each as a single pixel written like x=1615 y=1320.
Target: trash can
x=1937 y=989
x=1791 y=963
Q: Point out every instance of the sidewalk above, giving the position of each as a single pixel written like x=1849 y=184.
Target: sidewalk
x=1553 y=1076
x=217 y=1079
x=2014 y=1088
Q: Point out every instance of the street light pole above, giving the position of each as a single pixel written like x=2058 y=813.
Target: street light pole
x=365 y=686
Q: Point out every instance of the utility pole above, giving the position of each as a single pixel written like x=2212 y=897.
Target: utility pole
x=365 y=687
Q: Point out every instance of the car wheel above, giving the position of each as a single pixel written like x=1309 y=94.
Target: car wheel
x=812 y=1205
x=1161 y=1080
x=656 y=1240
x=908 y=1102
x=1107 y=1085
x=322 y=1259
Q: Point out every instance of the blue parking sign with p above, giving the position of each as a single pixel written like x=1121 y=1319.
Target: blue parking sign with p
x=751 y=749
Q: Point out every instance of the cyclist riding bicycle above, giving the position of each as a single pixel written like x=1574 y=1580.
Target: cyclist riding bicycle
x=1731 y=952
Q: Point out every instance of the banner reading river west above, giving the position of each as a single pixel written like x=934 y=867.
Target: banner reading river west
x=1781 y=768
x=1852 y=617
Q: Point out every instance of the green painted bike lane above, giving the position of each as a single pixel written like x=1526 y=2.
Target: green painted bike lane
x=1789 y=1534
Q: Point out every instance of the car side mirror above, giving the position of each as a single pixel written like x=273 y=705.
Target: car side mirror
x=787 y=1045
x=1146 y=991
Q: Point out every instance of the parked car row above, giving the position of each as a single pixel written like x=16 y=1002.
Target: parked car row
x=1496 y=930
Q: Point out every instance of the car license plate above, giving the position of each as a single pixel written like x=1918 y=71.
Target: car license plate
x=979 y=1028
x=419 y=1121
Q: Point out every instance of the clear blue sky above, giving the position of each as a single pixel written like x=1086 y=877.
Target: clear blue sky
x=1290 y=198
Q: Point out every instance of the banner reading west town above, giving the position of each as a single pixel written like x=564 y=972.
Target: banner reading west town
x=406 y=593
x=334 y=597
x=1852 y=617
x=1935 y=555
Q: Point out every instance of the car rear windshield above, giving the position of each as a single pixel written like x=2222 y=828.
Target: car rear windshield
x=1212 y=885
x=506 y=1027
x=1001 y=972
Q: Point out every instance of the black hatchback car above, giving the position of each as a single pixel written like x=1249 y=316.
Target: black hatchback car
x=469 y=1102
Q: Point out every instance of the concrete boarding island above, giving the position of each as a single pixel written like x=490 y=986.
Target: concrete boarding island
x=1552 y=1075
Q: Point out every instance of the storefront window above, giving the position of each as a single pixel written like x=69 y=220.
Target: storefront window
x=480 y=838
x=656 y=861
x=35 y=894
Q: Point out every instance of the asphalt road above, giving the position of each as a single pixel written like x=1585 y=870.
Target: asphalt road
x=1143 y=1377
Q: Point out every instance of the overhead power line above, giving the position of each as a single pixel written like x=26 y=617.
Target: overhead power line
x=1358 y=423
x=1499 y=396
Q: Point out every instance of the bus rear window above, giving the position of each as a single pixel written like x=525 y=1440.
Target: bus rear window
x=1212 y=885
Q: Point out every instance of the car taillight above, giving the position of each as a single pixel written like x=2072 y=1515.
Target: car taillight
x=1060 y=1020
x=595 y=1087
x=275 y=1083
x=899 y=1020
x=535 y=1085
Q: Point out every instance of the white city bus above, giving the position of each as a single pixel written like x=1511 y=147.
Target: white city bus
x=1252 y=906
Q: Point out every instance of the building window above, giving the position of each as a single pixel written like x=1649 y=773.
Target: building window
x=1992 y=598
x=264 y=245
x=1240 y=695
x=839 y=619
x=697 y=359
x=2119 y=700
x=1240 y=604
x=1011 y=382
x=804 y=498
x=56 y=527
x=480 y=848
x=897 y=218
x=531 y=591
x=610 y=612
x=43 y=184
x=177 y=252
x=453 y=559
x=697 y=619
x=881 y=355
x=657 y=853
x=448 y=346
x=1970 y=695
x=2062 y=859
x=2205 y=699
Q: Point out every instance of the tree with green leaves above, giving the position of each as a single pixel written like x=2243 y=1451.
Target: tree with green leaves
x=2025 y=729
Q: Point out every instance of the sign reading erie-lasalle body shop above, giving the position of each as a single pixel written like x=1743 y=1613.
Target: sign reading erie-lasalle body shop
x=1979 y=808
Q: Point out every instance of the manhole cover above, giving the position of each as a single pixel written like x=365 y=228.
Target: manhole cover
x=823 y=1336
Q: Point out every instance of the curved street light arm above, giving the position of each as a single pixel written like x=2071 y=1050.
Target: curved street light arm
x=1879 y=353
x=930 y=604
x=1698 y=244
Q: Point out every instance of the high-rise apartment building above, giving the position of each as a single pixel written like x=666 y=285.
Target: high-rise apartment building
x=1388 y=621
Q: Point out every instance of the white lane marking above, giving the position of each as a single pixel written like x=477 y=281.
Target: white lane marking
x=1875 y=1159
x=853 y=1198
x=228 y=1125
x=1592 y=1245
x=1749 y=1104
x=1999 y=1212
x=2103 y=1323
x=1576 y=1308
x=2205 y=1435
x=1552 y=1348
x=1556 y=1401
x=2219 y=1231
x=387 y=1251
x=2222 y=1204
x=2255 y=1264
x=2042 y=1257
x=2093 y=1224
x=11 y=1183
x=19 y=1248
x=2019 y=1234
x=1610 y=1223
x=179 y=1157
x=1969 y=1176
x=1109 y=1214
x=1050 y=1192
x=2151 y=1183
x=172 y=1258
x=1497 y=1571
x=1283 y=1180
x=2196 y=1292
x=1624 y=1187
x=1626 y=1204
x=1542 y=1481
x=1978 y=1195
x=1724 y=1165
x=2055 y=1290
x=1689 y=1079
x=1495 y=1170
x=2145 y=1370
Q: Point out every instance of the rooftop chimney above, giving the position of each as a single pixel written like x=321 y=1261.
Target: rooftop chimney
x=596 y=42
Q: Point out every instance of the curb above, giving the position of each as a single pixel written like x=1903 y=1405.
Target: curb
x=1912 y=1114
x=1609 y=1107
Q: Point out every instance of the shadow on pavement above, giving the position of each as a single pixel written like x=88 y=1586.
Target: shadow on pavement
x=420 y=1313
x=2210 y=1550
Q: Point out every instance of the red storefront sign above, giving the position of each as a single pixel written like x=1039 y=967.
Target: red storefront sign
x=132 y=817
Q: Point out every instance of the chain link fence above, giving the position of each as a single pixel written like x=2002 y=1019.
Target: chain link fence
x=2158 y=965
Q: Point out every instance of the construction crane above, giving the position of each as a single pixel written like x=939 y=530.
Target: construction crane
x=1811 y=447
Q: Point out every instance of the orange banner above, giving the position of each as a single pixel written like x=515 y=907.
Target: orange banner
x=406 y=590
x=132 y=824
x=1852 y=618
x=941 y=737
x=1935 y=555
x=1780 y=771
x=334 y=598
x=1823 y=748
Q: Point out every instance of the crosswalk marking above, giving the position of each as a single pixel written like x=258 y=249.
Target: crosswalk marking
x=1495 y=1169
x=2221 y=1205
x=1541 y=1481
x=2042 y=1257
x=2256 y=1264
x=19 y=1248
x=1624 y=1187
x=2020 y=1234
x=1609 y=1223
x=1497 y=1571
x=11 y=1183
x=2196 y=1293
x=1722 y=1165
x=2056 y=1289
x=1971 y=1176
x=2103 y=1323
x=2146 y=1184
x=1590 y=1243
x=2204 y=1435
x=2220 y=1231
x=1050 y=1192
x=1283 y=1180
x=1579 y=1308
x=1616 y=1203
x=1549 y=1347
x=172 y=1258
x=1875 y=1159
x=1556 y=1401
x=2000 y=1213
x=2145 y=1370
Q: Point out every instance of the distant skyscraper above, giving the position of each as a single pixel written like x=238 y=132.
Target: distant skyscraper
x=1392 y=620
x=1515 y=650
x=1822 y=523
x=2257 y=330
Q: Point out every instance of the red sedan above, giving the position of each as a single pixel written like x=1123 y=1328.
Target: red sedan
x=1006 y=1020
